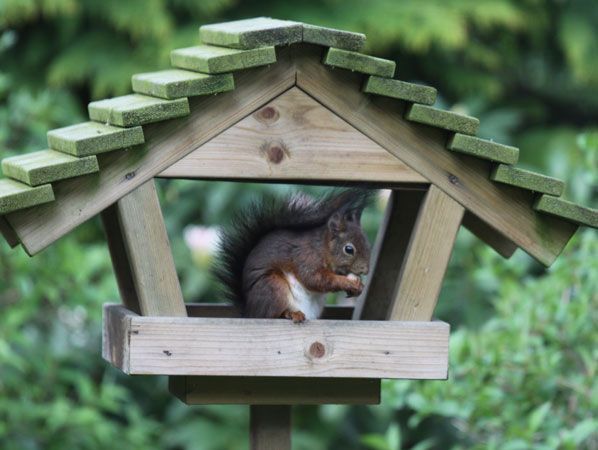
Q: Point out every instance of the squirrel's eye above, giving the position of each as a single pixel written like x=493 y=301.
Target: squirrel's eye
x=349 y=249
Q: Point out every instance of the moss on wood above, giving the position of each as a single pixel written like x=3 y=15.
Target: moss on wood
x=210 y=59
x=252 y=33
x=135 y=109
x=47 y=166
x=448 y=120
x=15 y=195
x=329 y=37
x=91 y=138
x=567 y=210
x=482 y=148
x=526 y=179
x=176 y=83
x=400 y=89
x=358 y=62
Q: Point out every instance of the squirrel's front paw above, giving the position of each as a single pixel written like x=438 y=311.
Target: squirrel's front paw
x=295 y=316
x=355 y=288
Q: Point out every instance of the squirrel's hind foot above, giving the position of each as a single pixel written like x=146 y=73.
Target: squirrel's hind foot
x=295 y=316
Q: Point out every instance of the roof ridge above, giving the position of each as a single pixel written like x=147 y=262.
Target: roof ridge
x=207 y=68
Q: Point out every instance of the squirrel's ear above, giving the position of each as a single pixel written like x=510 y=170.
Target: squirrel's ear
x=353 y=215
x=336 y=223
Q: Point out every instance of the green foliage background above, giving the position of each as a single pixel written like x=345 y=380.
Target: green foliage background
x=523 y=349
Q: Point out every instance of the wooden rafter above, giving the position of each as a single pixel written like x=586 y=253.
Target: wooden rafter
x=423 y=149
x=78 y=199
x=503 y=208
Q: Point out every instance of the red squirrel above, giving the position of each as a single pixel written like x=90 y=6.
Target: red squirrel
x=280 y=257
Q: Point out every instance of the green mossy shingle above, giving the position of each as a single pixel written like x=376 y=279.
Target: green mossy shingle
x=210 y=59
x=482 y=148
x=358 y=62
x=400 y=89
x=177 y=83
x=91 y=138
x=527 y=180
x=135 y=109
x=447 y=120
x=330 y=37
x=47 y=166
x=15 y=195
x=567 y=210
x=251 y=33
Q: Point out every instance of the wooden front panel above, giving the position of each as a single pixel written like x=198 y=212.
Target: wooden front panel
x=274 y=347
x=293 y=138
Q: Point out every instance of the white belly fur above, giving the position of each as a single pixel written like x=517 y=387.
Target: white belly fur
x=302 y=299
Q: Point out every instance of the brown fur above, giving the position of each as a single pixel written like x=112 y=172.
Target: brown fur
x=315 y=257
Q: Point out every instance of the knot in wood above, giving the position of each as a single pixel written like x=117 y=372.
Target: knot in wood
x=453 y=179
x=317 y=350
x=275 y=154
x=267 y=114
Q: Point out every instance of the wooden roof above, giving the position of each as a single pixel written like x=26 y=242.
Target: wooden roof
x=132 y=138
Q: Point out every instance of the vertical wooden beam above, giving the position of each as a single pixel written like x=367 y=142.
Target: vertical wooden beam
x=120 y=260
x=270 y=427
x=503 y=246
x=427 y=257
x=148 y=251
x=8 y=233
x=388 y=254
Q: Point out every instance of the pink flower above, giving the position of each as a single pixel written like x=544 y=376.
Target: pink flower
x=202 y=242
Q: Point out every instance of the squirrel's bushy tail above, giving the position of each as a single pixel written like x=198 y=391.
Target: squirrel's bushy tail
x=295 y=212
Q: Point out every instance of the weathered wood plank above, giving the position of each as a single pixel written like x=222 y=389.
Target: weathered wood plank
x=251 y=33
x=47 y=166
x=275 y=391
x=15 y=196
x=78 y=199
x=116 y=326
x=427 y=257
x=568 y=210
x=120 y=260
x=148 y=251
x=270 y=427
x=277 y=347
x=388 y=254
x=423 y=148
x=293 y=138
x=212 y=59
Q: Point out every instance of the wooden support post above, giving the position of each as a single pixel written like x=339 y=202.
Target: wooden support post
x=8 y=233
x=120 y=260
x=427 y=257
x=148 y=250
x=388 y=253
x=270 y=427
x=503 y=246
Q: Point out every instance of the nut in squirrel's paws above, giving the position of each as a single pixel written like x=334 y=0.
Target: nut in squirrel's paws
x=357 y=287
x=353 y=277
